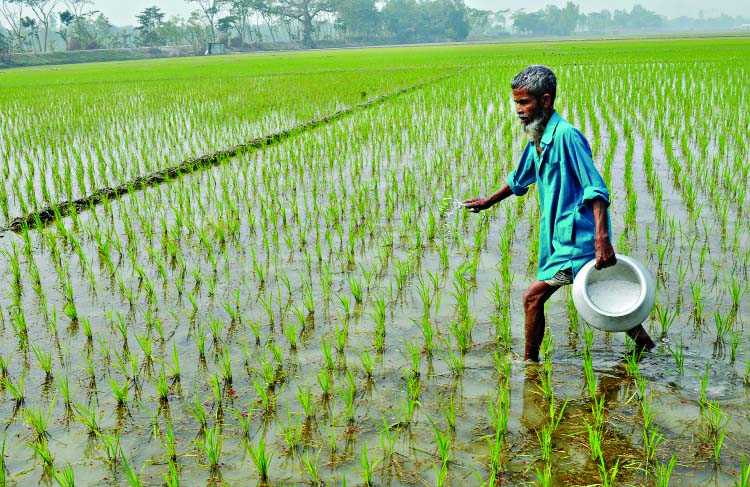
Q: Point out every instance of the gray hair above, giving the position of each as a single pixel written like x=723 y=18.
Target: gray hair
x=537 y=80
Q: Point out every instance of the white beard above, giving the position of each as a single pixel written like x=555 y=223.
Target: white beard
x=535 y=129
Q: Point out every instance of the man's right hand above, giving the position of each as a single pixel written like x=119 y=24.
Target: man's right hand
x=477 y=204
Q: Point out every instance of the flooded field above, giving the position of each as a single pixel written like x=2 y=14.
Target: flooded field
x=320 y=311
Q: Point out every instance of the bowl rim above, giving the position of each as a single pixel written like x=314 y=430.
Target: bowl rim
x=630 y=264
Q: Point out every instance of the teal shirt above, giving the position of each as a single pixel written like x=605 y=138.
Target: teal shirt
x=567 y=183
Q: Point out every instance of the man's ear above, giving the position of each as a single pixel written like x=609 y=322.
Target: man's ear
x=547 y=101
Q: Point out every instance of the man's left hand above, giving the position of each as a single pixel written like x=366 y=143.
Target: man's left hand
x=605 y=254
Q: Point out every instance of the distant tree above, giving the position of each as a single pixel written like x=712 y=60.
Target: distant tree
x=529 y=23
x=29 y=25
x=569 y=18
x=305 y=12
x=5 y=47
x=599 y=21
x=43 y=10
x=210 y=9
x=426 y=21
x=400 y=18
x=150 y=22
x=242 y=11
x=12 y=13
x=643 y=19
x=446 y=20
x=358 y=18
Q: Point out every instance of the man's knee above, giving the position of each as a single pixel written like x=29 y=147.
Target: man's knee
x=534 y=297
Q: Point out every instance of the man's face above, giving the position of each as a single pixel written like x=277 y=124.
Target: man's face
x=527 y=106
x=533 y=113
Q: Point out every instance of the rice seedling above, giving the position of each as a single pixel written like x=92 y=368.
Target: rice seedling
x=133 y=478
x=743 y=480
x=211 y=444
x=311 y=468
x=65 y=477
x=663 y=472
x=261 y=458
x=110 y=443
x=367 y=466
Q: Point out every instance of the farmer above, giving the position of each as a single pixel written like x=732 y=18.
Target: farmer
x=574 y=224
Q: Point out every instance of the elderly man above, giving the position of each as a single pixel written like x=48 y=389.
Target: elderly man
x=574 y=225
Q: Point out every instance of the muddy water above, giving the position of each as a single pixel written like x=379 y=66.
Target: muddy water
x=344 y=181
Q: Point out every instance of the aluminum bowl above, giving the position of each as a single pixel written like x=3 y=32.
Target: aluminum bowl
x=617 y=298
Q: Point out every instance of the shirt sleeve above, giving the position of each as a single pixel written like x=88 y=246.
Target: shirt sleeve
x=579 y=155
x=524 y=175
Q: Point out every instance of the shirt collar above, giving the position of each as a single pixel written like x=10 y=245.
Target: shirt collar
x=549 y=130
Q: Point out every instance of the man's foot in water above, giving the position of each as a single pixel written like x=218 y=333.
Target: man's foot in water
x=643 y=342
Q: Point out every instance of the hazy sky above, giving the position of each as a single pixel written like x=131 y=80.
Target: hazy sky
x=123 y=12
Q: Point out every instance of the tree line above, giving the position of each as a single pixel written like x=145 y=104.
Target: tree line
x=43 y=25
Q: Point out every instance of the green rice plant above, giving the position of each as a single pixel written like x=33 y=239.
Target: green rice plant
x=306 y=400
x=172 y=476
x=292 y=431
x=703 y=401
x=110 y=443
x=325 y=382
x=367 y=467
x=347 y=396
x=132 y=477
x=65 y=477
x=663 y=473
x=651 y=441
x=544 y=475
x=37 y=421
x=723 y=325
x=666 y=319
x=311 y=468
x=365 y=359
x=89 y=417
x=443 y=442
x=16 y=390
x=261 y=458
x=169 y=444
x=225 y=366
x=41 y=449
x=388 y=437
x=696 y=291
x=198 y=411
x=428 y=334
x=461 y=331
x=595 y=441
x=647 y=411
x=744 y=474
x=4 y=364
x=679 y=357
x=608 y=476
x=736 y=292
x=199 y=337
x=62 y=386
x=325 y=346
x=161 y=384
x=119 y=391
x=735 y=338
x=341 y=335
x=717 y=422
x=413 y=357
x=588 y=371
x=211 y=443
x=356 y=288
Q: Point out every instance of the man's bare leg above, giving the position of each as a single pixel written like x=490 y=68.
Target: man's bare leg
x=533 y=304
x=643 y=342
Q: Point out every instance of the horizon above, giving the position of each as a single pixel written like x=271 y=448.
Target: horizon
x=124 y=13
